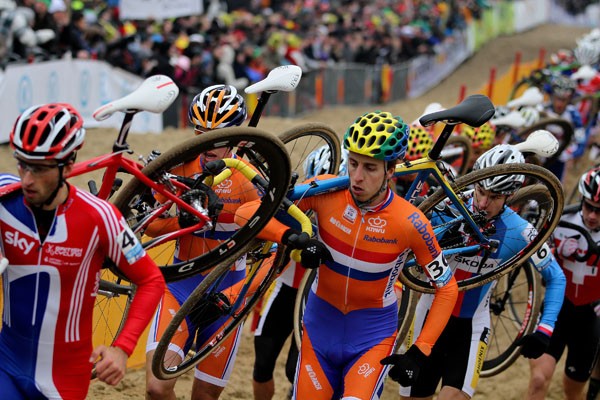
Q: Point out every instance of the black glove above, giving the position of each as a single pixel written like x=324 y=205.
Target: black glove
x=314 y=254
x=295 y=239
x=534 y=344
x=185 y=218
x=406 y=366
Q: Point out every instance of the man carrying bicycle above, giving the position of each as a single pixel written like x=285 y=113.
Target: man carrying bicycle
x=57 y=238
x=576 y=239
x=216 y=107
x=365 y=235
x=458 y=355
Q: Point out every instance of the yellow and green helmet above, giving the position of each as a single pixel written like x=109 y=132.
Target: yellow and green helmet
x=378 y=134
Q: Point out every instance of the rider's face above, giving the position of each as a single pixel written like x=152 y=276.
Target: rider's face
x=591 y=214
x=488 y=201
x=560 y=103
x=216 y=154
x=366 y=177
x=38 y=180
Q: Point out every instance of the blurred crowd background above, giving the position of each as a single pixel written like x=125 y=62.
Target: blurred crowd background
x=235 y=41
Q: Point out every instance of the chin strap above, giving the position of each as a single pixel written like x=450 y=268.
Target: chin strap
x=363 y=204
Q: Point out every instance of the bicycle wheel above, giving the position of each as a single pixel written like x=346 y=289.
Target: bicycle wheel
x=407 y=302
x=457 y=152
x=136 y=201
x=553 y=125
x=213 y=312
x=514 y=307
x=300 y=141
x=111 y=308
x=439 y=209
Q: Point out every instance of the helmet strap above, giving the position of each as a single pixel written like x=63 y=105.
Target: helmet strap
x=61 y=181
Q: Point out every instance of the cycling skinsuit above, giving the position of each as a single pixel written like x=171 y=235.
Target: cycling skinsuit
x=217 y=367
x=50 y=288
x=350 y=320
x=576 y=327
x=458 y=355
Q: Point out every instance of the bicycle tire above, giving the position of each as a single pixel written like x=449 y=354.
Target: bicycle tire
x=515 y=305
x=564 y=141
x=407 y=304
x=460 y=163
x=200 y=299
x=135 y=200
x=413 y=276
x=300 y=141
x=111 y=308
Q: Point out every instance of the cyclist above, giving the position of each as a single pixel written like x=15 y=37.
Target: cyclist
x=365 y=234
x=575 y=327
x=216 y=107
x=561 y=96
x=276 y=321
x=56 y=238
x=458 y=355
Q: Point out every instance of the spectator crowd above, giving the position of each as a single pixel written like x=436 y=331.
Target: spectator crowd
x=233 y=42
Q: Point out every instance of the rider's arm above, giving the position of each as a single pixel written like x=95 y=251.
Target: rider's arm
x=548 y=267
x=428 y=253
x=273 y=231
x=139 y=268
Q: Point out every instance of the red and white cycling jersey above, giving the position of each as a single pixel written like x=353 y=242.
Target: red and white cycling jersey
x=583 y=280
x=50 y=288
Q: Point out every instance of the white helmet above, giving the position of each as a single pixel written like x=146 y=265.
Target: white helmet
x=318 y=162
x=586 y=52
x=498 y=155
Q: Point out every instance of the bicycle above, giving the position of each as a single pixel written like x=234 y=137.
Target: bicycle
x=474 y=111
x=151 y=174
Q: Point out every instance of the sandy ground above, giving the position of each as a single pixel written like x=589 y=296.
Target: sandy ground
x=474 y=73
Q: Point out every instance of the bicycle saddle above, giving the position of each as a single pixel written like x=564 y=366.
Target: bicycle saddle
x=155 y=94
x=540 y=142
x=514 y=119
x=284 y=78
x=475 y=111
x=530 y=97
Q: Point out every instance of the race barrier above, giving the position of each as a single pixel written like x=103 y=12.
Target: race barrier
x=86 y=84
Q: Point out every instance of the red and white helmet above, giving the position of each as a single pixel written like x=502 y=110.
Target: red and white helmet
x=589 y=185
x=51 y=131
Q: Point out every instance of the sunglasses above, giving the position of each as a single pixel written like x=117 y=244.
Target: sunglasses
x=35 y=169
x=591 y=208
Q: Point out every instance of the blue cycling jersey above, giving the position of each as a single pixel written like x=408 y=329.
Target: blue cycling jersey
x=511 y=232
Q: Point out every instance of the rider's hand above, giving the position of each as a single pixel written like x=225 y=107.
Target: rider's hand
x=568 y=247
x=185 y=218
x=534 y=344
x=405 y=367
x=111 y=363
x=314 y=254
x=295 y=239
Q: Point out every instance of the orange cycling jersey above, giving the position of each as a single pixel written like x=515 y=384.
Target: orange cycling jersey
x=369 y=247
